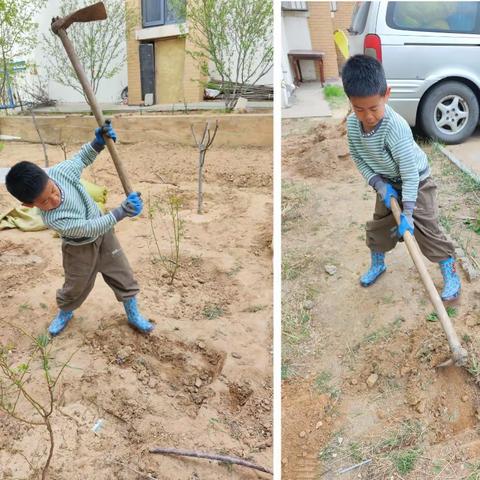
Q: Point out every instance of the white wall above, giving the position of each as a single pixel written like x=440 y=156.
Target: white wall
x=296 y=36
x=267 y=79
x=109 y=90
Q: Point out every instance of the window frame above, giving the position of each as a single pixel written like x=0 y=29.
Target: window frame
x=153 y=23
x=295 y=6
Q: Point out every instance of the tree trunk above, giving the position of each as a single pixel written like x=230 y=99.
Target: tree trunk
x=52 y=444
x=40 y=135
x=201 y=162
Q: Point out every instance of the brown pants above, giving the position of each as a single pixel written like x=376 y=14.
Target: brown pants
x=81 y=264
x=430 y=238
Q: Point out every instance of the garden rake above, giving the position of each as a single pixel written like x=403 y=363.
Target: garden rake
x=459 y=354
x=59 y=26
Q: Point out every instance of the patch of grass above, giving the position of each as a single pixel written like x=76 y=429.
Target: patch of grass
x=355 y=451
x=25 y=307
x=293 y=264
x=474 y=367
x=446 y=222
x=235 y=269
x=322 y=382
x=405 y=461
x=327 y=453
x=322 y=385
x=212 y=311
x=287 y=371
x=2 y=146
x=385 y=332
x=473 y=225
x=474 y=473
x=409 y=433
x=296 y=325
x=255 y=308
x=467 y=338
x=334 y=95
x=294 y=197
x=433 y=317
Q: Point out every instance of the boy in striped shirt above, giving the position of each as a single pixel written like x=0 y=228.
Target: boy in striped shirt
x=89 y=245
x=382 y=146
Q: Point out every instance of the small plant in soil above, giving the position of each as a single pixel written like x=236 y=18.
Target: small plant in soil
x=322 y=385
x=433 y=317
x=287 y=371
x=474 y=368
x=171 y=262
x=474 y=473
x=405 y=461
x=16 y=378
x=212 y=311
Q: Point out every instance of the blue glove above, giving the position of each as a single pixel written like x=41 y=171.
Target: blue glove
x=386 y=193
x=130 y=207
x=133 y=204
x=107 y=130
x=406 y=223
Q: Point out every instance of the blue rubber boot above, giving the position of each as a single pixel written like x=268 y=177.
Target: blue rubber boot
x=135 y=319
x=451 y=280
x=376 y=269
x=59 y=322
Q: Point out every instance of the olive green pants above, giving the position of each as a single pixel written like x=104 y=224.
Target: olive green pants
x=431 y=240
x=81 y=264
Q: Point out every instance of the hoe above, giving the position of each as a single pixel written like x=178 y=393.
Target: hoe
x=459 y=354
x=59 y=27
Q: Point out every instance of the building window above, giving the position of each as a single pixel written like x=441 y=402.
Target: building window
x=159 y=12
x=295 y=6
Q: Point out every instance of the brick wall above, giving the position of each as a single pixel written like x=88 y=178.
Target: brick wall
x=133 y=58
x=322 y=25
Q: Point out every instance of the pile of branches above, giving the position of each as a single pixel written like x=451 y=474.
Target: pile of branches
x=250 y=92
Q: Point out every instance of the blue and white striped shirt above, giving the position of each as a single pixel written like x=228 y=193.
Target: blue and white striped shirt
x=390 y=151
x=77 y=219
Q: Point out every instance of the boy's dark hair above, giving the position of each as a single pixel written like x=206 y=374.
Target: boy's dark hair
x=363 y=76
x=26 y=181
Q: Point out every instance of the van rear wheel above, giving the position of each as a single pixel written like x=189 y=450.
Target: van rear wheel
x=450 y=113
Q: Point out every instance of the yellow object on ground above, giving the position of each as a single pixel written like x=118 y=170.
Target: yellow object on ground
x=341 y=40
x=29 y=219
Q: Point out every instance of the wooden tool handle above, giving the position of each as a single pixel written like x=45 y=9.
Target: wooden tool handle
x=459 y=354
x=87 y=88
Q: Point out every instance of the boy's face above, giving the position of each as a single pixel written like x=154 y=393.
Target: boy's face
x=49 y=199
x=370 y=110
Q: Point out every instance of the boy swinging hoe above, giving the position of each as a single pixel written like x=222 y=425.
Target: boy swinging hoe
x=89 y=244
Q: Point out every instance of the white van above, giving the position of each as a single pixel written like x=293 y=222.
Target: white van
x=431 y=55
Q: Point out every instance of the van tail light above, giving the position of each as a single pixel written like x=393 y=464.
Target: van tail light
x=372 y=46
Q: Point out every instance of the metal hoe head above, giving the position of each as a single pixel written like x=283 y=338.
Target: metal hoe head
x=91 y=13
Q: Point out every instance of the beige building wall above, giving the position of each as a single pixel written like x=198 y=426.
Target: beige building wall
x=322 y=25
x=176 y=73
x=133 y=59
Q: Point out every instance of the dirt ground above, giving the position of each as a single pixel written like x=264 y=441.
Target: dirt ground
x=202 y=380
x=358 y=365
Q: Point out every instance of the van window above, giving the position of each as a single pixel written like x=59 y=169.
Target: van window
x=449 y=17
x=359 y=18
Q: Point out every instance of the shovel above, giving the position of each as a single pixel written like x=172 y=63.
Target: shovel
x=59 y=27
x=459 y=354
